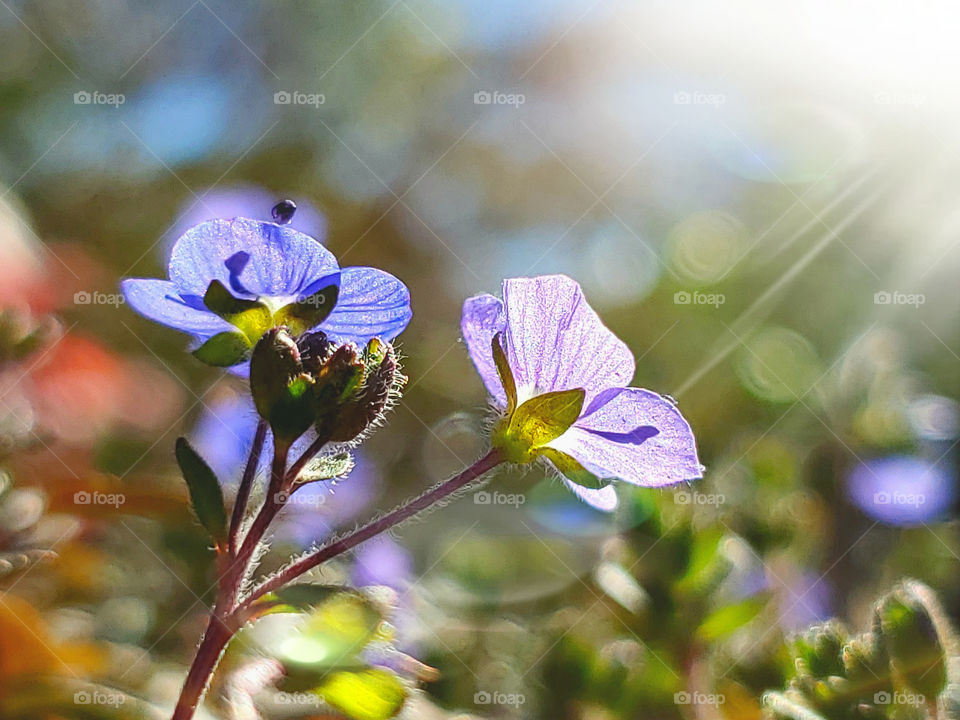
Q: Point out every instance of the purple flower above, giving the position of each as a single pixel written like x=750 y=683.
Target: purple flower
x=560 y=377
x=901 y=490
x=232 y=280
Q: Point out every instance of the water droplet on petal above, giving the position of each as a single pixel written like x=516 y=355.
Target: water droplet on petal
x=283 y=211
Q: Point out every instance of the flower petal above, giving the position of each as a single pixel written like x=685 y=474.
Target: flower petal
x=635 y=435
x=604 y=498
x=557 y=342
x=372 y=303
x=482 y=318
x=160 y=301
x=250 y=258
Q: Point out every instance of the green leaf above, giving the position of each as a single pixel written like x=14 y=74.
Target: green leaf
x=326 y=468
x=340 y=624
x=372 y=694
x=223 y=349
x=308 y=312
x=251 y=317
x=504 y=371
x=724 y=621
x=205 y=493
x=536 y=422
x=573 y=470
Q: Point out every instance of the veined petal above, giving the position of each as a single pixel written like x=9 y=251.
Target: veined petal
x=604 y=498
x=160 y=301
x=482 y=318
x=250 y=258
x=635 y=435
x=372 y=303
x=557 y=342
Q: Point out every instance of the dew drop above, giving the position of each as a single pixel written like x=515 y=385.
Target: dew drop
x=283 y=211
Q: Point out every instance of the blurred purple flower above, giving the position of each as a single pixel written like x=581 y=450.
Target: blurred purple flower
x=224 y=435
x=901 y=490
x=276 y=265
x=554 y=341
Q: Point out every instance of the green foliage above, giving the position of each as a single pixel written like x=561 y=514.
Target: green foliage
x=205 y=493
x=896 y=670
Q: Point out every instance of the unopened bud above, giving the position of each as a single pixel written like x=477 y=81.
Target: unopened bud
x=279 y=385
x=383 y=380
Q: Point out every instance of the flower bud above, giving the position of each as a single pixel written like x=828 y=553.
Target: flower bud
x=279 y=385
x=336 y=380
x=382 y=381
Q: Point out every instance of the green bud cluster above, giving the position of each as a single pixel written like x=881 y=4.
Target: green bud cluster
x=340 y=390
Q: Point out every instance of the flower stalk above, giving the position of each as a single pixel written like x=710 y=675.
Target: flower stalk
x=230 y=611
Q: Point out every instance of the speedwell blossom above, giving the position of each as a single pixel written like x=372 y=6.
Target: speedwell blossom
x=232 y=280
x=560 y=376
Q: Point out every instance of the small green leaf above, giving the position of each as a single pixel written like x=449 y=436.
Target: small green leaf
x=308 y=312
x=340 y=623
x=504 y=371
x=325 y=468
x=573 y=470
x=536 y=422
x=251 y=317
x=205 y=493
x=725 y=620
x=223 y=349
x=372 y=694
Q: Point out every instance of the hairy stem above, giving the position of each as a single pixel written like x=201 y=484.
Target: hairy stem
x=214 y=641
x=375 y=527
x=246 y=483
x=229 y=614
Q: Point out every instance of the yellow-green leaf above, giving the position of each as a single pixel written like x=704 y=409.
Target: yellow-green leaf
x=373 y=694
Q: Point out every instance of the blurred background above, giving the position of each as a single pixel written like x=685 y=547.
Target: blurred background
x=757 y=197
